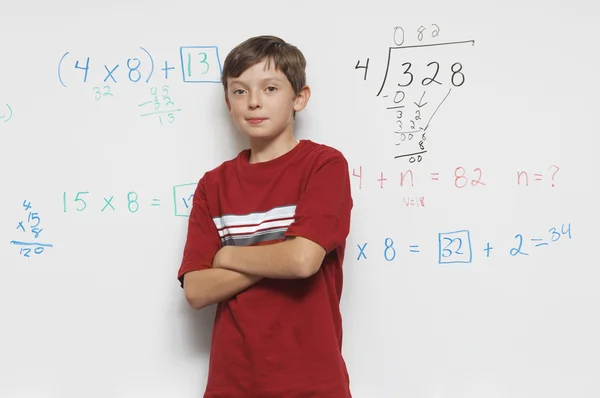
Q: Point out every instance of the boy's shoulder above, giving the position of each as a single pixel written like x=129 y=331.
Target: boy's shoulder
x=319 y=154
x=324 y=152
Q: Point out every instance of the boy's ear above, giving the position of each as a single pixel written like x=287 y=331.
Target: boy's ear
x=301 y=99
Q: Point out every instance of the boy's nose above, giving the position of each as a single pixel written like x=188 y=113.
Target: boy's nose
x=253 y=102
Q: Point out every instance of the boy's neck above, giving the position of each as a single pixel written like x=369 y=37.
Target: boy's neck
x=266 y=150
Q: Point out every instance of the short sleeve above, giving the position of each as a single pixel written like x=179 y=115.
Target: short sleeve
x=203 y=241
x=323 y=209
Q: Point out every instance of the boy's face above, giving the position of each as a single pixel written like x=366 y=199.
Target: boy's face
x=261 y=102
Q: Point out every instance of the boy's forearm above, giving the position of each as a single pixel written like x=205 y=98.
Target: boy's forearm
x=278 y=261
x=213 y=285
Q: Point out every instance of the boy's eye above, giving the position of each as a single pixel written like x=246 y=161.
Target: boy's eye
x=271 y=88
x=238 y=91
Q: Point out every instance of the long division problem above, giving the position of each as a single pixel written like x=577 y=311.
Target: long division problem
x=416 y=97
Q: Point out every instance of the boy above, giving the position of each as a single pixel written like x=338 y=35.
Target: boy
x=266 y=240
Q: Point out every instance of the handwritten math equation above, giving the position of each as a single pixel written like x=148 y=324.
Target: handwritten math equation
x=29 y=245
x=154 y=107
x=461 y=177
x=414 y=98
x=196 y=64
x=6 y=113
x=85 y=201
x=159 y=103
x=455 y=247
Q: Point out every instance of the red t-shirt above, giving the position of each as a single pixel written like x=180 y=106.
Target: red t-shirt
x=280 y=338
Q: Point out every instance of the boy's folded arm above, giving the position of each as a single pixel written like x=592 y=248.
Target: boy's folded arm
x=213 y=285
x=295 y=258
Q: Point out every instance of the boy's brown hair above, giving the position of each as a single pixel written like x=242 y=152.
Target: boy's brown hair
x=286 y=58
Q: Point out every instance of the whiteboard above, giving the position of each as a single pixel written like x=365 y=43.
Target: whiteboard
x=471 y=138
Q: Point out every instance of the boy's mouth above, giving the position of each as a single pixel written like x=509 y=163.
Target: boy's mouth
x=256 y=120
